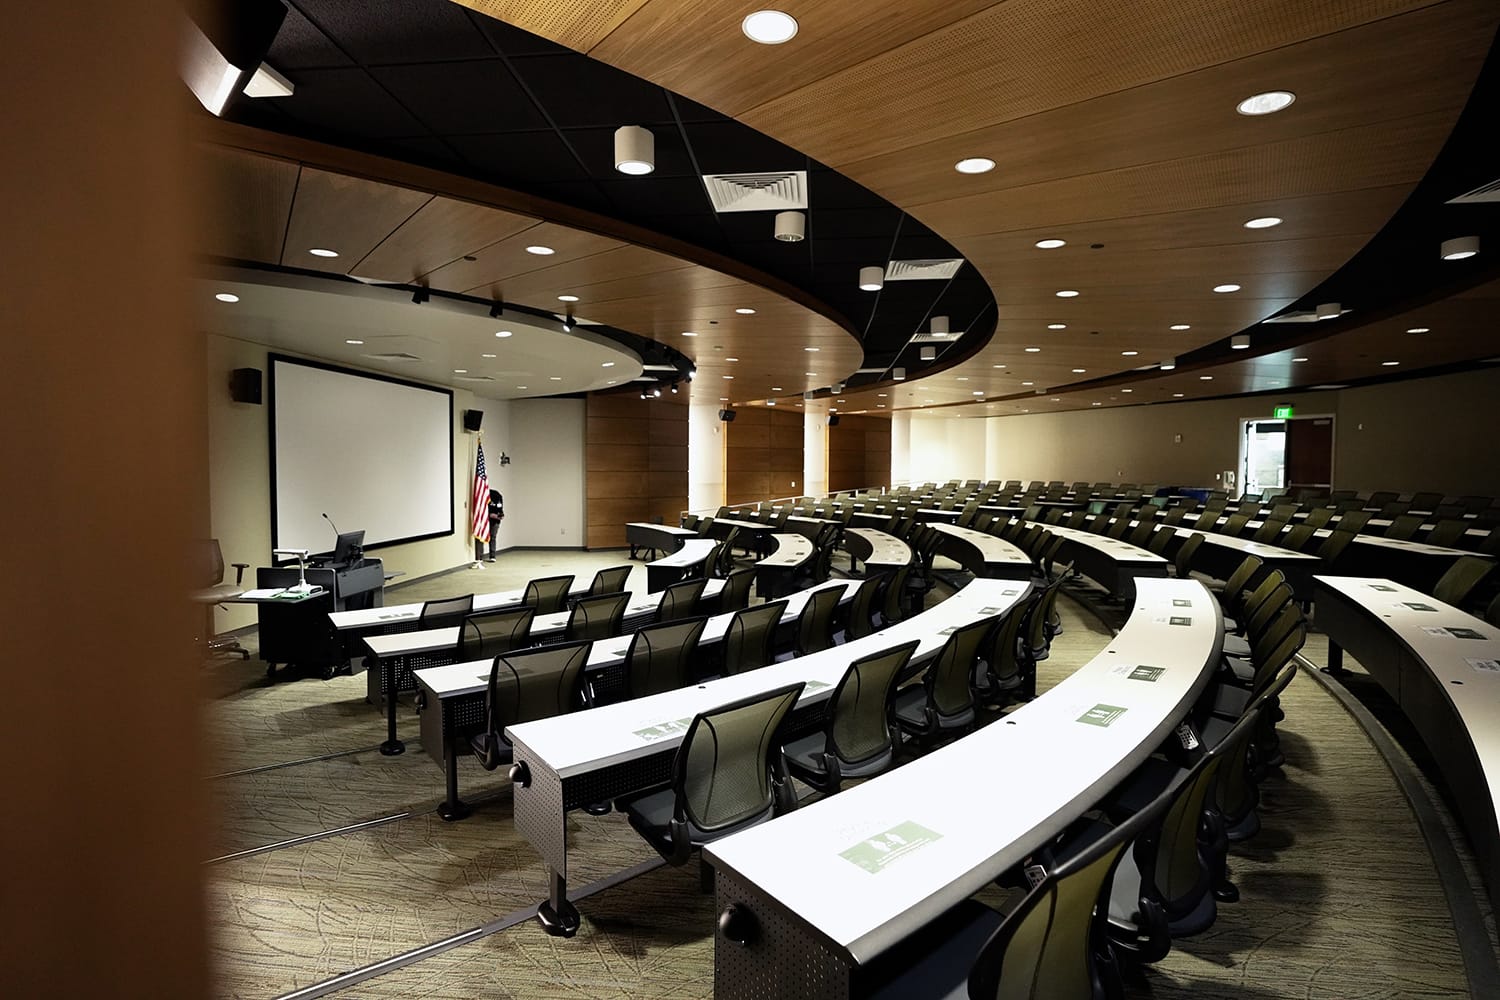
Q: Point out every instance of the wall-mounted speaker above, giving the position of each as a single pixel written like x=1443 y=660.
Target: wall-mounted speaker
x=727 y=416
x=244 y=385
x=472 y=419
x=833 y=420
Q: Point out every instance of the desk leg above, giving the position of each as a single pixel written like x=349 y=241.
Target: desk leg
x=557 y=916
x=392 y=746
x=1335 y=666
x=452 y=809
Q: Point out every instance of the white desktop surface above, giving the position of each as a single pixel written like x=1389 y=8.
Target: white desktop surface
x=1246 y=546
x=1116 y=549
x=992 y=797
x=694 y=550
x=792 y=550
x=991 y=548
x=666 y=529
x=885 y=549
x=589 y=740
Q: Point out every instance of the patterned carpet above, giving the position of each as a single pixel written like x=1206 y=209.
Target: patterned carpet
x=1339 y=900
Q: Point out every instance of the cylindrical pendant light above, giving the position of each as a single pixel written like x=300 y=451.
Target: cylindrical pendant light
x=898 y=374
x=635 y=150
x=1330 y=310
x=940 y=326
x=791 y=227
x=1460 y=247
x=871 y=279
x=1240 y=342
x=1169 y=365
x=929 y=354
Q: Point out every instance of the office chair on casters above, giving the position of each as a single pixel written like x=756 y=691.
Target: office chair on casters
x=944 y=702
x=490 y=633
x=680 y=600
x=1461 y=578
x=856 y=740
x=548 y=594
x=210 y=559
x=596 y=617
x=749 y=637
x=815 y=623
x=729 y=775
x=610 y=580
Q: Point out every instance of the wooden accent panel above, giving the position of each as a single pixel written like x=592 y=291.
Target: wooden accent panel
x=579 y=24
x=763 y=455
x=348 y=214
x=859 y=453
x=441 y=232
x=636 y=465
x=247 y=198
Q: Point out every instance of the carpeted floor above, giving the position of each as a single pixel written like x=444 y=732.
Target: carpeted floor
x=1340 y=899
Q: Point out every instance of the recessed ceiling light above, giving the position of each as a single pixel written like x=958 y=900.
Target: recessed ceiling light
x=775 y=388
x=841 y=401
x=1226 y=288
x=881 y=405
x=502 y=333
x=541 y=251
x=1460 y=248
x=1299 y=359
x=1205 y=378
x=607 y=364
x=1127 y=390
x=1079 y=371
x=567 y=298
x=769 y=27
x=354 y=341
x=1067 y=293
x=1177 y=395
x=1033 y=350
x=1129 y=354
x=962 y=378
x=974 y=165
x=881 y=395
x=554 y=378
x=320 y=252
x=688 y=333
x=486 y=355
x=1028 y=383
x=1050 y=244
x=1181 y=326
x=1389 y=364
x=1268 y=103
x=1057 y=326
x=227 y=297
x=460 y=371
x=979 y=392
x=1265 y=222
x=812 y=349
x=527 y=386
x=729 y=377
x=745 y=312
x=1419 y=329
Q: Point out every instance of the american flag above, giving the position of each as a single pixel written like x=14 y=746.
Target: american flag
x=481 y=503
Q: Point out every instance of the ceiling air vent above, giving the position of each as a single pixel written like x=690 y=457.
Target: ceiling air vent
x=393 y=356
x=773 y=191
x=1483 y=193
x=922 y=270
x=936 y=338
x=472 y=378
x=1306 y=316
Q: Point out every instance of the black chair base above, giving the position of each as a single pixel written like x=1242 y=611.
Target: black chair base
x=558 y=924
x=452 y=812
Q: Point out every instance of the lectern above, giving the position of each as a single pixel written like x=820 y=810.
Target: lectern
x=301 y=633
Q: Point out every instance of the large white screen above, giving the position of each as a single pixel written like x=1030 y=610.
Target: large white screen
x=375 y=455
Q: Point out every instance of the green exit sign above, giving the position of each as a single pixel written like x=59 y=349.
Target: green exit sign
x=1282 y=413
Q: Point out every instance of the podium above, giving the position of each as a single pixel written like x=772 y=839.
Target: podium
x=301 y=633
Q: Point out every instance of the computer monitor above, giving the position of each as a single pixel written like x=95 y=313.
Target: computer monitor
x=349 y=548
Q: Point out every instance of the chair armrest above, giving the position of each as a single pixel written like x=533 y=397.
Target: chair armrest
x=239 y=572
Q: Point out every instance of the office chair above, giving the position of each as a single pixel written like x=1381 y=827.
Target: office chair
x=944 y=701
x=1492 y=613
x=856 y=740
x=1162 y=538
x=660 y=657
x=1318 y=517
x=599 y=617
x=1269 y=532
x=1462 y=577
x=1405 y=526
x=1352 y=521
x=749 y=637
x=860 y=620
x=210 y=562
x=611 y=580
x=447 y=612
x=729 y=774
x=524 y=686
x=735 y=595
x=1448 y=533
x=892 y=608
x=680 y=600
x=487 y=634
x=1299 y=537
x=815 y=623
x=1000 y=671
x=548 y=594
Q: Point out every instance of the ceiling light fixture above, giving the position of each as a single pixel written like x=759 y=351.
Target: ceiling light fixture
x=745 y=311
x=497 y=310
x=871 y=279
x=1050 y=244
x=635 y=150
x=1239 y=342
x=1221 y=289
x=1268 y=103
x=1205 y=378
x=1420 y=329
x=939 y=326
x=1033 y=350
x=420 y=295
x=1028 y=383
x=813 y=350
x=1068 y=293
x=1168 y=365
x=567 y=298
x=929 y=353
x=554 y=378
x=567 y=324
x=355 y=342
x=1265 y=222
x=1299 y=360
x=1057 y=326
x=1389 y=364
x=1129 y=354
x=1460 y=247
x=898 y=374
x=322 y=252
x=978 y=392
x=1079 y=371
x=1127 y=390
x=997 y=366
x=540 y=250
x=1176 y=395
x=227 y=297
x=974 y=165
x=1180 y=326
x=502 y=333
x=1329 y=310
x=460 y=371
x=216 y=63
x=769 y=27
x=688 y=333
x=791 y=227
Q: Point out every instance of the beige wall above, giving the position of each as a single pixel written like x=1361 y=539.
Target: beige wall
x=1432 y=433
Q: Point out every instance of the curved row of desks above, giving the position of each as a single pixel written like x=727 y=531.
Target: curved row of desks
x=1442 y=667
x=834 y=885
x=981 y=553
x=876 y=549
x=1113 y=564
x=575 y=760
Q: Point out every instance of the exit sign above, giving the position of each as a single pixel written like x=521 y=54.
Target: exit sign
x=1282 y=412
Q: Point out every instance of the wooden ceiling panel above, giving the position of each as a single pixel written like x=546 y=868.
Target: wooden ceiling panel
x=1192 y=114
x=626 y=265
x=246 y=199
x=509 y=259
x=350 y=215
x=442 y=231
x=578 y=24
x=1016 y=59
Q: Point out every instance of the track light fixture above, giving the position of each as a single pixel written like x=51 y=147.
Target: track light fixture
x=871 y=279
x=898 y=374
x=674 y=388
x=567 y=323
x=497 y=310
x=635 y=150
x=420 y=295
x=929 y=354
x=791 y=227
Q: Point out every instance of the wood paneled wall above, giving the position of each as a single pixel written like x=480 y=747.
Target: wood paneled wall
x=763 y=455
x=637 y=465
x=859 y=453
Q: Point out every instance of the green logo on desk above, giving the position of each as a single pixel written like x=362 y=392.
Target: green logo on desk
x=1181 y=602
x=875 y=854
x=1102 y=716
x=1148 y=674
x=1179 y=620
x=662 y=730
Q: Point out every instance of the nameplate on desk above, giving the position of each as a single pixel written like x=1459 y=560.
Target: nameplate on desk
x=1181 y=602
x=1453 y=632
x=1382 y=587
x=992 y=610
x=875 y=854
x=1414 y=606
x=662 y=730
x=949 y=630
x=1489 y=666
x=1101 y=715
x=1139 y=673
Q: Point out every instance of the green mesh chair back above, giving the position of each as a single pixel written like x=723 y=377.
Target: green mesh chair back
x=1160 y=539
x=861 y=621
x=891 y=610
x=1333 y=546
x=1001 y=670
x=489 y=633
x=1276 y=645
x=1269 y=532
x=1234 y=793
x=1042 y=612
x=949 y=680
x=1141 y=534
x=750 y=635
x=705 y=569
x=660 y=657
x=1267 y=601
x=680 y=600
x=1405 y=527
x=1353 y=521
x=448 y=612
x=1318 y=517
x=815 y=623
x=704 y=525
x=1183 y=561
x=1234 y=588
x=1236 y=524
x=1098 y=524
x=1299 y=537
x=1208 y=520
x=1077 y=519
x=690 y=522
x=1120 y=526
x=1173 y=516
x=966 y=516
x=780 y=518
x=983 y=520
x=548 y=594
x=1473 y=504
x=609 y=581
x=736 y=593
x=596 y=617
x=1447 y=533
x=1425 y=501
x=1461 y=579
x=1491 y=543
x=723 y=559
x=1393 y=510
x=527 y=685
x=1492 y=613
x=1047 y=947
x=724 y=771
x=858 y=728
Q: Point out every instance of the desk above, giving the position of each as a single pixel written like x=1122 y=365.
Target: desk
x=399 y=617
x=805 y=524
x=827 y=903
x=774 y=573
x=299 y=633
x=1448 y=685
x=937 y=515
x=1414 y=563
x=876 y=549
x=655 y=537
x=1109 y=562
x=612 y=751
x=983 y=554
x=663 y=572
x=1220 y=555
